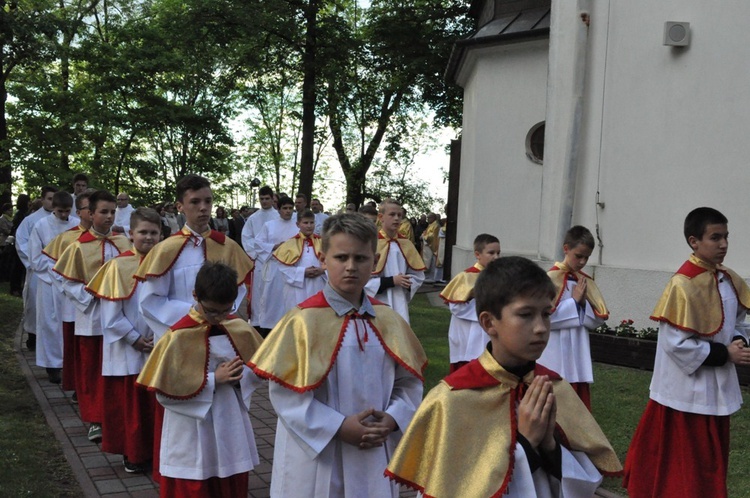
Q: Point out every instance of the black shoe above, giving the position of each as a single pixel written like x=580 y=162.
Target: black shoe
x=31 y=342
x=74 y=398
x=53 y=374
x=133 y=468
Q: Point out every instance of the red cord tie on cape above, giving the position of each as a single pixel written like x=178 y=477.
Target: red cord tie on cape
x=361 y=340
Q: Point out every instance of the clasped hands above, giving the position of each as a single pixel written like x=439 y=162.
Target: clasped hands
x=367 y=429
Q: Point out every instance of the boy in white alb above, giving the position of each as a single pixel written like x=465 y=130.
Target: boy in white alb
x=272 y=235
x=346 y=376
x=49 y=346
x=300 y=262
x=128 y=424
x=579 y=307
x=400 y=269
x=198 y=372
x=466 y=338
x=77 y=265
x=681 y=446
x=168 y=271
x=250 y=232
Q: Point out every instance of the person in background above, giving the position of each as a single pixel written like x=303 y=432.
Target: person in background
x=221 y=222
x=122 y=215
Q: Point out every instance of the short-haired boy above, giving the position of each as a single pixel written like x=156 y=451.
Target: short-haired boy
x=503 y=425
x=198 y=372
x=578 y=308
x=466 y=339
x=49 y=347
x=77 y=266
x=300 y=262
x=399 y=271
x=168 y=272
x=53 y=251
x=681 y=445
x=347 y=377
x=128 y=424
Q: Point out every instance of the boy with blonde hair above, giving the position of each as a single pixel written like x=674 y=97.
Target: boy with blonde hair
x=503 y=425
x=346 y=374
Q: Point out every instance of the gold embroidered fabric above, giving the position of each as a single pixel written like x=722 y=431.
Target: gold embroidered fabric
x=114 y=281
x=58 y=245
x=83 y=258
x=559 y=275
x=302 y=347
x=461 y=442
x=290 y=251
x=412 y=257
x=461 y=288
x=178 y=365
x=215 y=247
x=406 y=230
x=692 y=302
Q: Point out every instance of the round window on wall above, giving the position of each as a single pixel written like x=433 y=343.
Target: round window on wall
x=535 y=143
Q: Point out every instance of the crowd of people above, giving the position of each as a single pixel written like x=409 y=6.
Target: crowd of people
x=162 y=321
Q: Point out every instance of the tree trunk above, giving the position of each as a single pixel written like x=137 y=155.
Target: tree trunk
x=307 y=152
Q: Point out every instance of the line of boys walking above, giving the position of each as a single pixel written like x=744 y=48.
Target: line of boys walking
x=346 y=369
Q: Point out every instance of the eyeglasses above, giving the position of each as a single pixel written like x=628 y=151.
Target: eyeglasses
x=217 y=313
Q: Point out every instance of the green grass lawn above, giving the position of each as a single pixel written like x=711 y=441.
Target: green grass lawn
x=618 y=394
x=31 y=460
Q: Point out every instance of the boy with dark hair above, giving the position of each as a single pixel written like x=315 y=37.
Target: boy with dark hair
x=80 y=184
x=168 y=272
x=128 y=423
x=49 y=348
x=78 y=265
x=681 y=445
x=346 y=376
x=578 y=308
x=272 y=235
x=369 y=212
x=198 y=372
x=300 y=263
x=400 y=270
x=67 y=313
x=23 y=233
x=466 y=339
x=503 y=425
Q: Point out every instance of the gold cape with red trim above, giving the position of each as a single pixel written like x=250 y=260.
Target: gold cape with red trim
x=411 y=256
x=300 y=351
x=406 y=230
x=216 y=248
x=691 y=300
x=461 y=287
x=114 y=281
x=83 y=258
x=61 y=242
x=289 y=252
x=431 y=236
x=178 y=365
x=559 y=275
x=462 y=439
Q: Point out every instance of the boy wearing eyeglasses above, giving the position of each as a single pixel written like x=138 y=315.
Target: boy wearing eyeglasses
x=198 y=372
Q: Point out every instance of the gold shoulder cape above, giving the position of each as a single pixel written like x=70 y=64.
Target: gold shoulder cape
x=691 y=300
x=83 y=258
x=461 y=288
x=431 y=235
x=114 y=281
x=301 y=349
x=178 y=365
x=216 y=248
x=559 y=274
x=290 y=251
x=462 y=439
x=58 y=245
x=406 y=230
x=411 y=256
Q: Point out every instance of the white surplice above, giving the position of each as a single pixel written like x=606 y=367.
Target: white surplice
x=164 y=300
x=30 y=285
x=210 y=435
x=49 y=345
x=250 y=232
x=122 y=217
x=568 y=351
x=270 y=305
x=123 y=324
x=308 y=459
x=466 y=338
x=396 y=297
